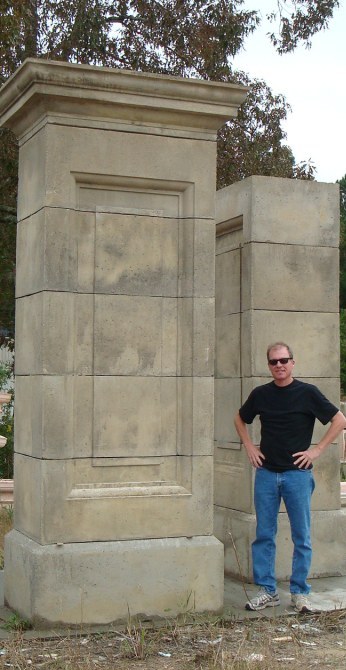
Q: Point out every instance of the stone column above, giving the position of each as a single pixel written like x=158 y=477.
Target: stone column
x=114 y=343
x=277 y=278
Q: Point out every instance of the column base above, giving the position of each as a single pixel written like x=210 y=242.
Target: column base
x=104 y=582
x=328 y=532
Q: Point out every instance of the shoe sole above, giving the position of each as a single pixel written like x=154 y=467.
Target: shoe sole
x=261 y=607
x=305 y=610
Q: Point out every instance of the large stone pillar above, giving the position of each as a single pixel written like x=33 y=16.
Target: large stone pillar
x=114 y=343
x=277 y=277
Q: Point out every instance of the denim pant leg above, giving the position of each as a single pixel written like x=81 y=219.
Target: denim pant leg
x=267 y=503
x=297 y=489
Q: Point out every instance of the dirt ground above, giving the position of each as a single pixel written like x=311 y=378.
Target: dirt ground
x=287 y=642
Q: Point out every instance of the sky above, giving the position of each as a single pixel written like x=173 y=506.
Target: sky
x=313 y=82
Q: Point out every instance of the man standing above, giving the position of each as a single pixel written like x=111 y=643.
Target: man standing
x=287 y=409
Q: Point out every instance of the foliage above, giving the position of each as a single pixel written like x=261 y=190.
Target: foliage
x=8 y=221
x=343 y=352
x=185 y=37
x=16 y=623
x=6 y=423
x=342 y=185
x=189 y=38
x=299 y=20
x=254 y=142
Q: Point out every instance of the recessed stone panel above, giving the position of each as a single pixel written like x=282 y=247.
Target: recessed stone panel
x=227 y=403
x=233 y=478
x=227 y=346
x=327 y=477
x=136 y=255
x=227 y=281
x=77 y=502
x=204 y=258
x=114 y=155
x=135 y=335
x=195 y=415
x=134 y=416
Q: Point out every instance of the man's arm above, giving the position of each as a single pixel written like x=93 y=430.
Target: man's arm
x=305 y=458
x=255 y=455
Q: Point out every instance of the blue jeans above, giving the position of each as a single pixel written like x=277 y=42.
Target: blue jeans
x=295 y=487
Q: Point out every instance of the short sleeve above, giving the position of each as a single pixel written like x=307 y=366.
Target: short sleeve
x=248 y=410
x=321 y=407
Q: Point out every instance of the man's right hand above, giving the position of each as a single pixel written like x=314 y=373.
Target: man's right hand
x=255 y=455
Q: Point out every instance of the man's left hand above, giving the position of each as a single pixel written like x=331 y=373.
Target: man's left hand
x=304 y=458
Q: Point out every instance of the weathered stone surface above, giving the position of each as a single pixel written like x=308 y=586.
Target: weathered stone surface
x=157 y=186
x=115 y=330
x=233 y=480
x=227 y=403
x=310 y=334
x=54 y=417
x=290 y=277
x=134 y=416
x=328 y=533
x=282 y=211
x=61 y=333
x=97 y=583
x=284 y=236
x=83 y=500
x=228 y=338
x=227 y=272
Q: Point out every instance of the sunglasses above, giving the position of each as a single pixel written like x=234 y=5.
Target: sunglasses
x=282 y=361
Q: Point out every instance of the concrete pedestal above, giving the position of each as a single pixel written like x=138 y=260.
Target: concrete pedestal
x=97 y=582
x=277 y=276
x=114 y=342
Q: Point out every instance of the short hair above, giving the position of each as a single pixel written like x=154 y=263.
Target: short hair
x=277 y=345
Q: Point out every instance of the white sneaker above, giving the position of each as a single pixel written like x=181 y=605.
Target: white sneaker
x=301 y=603
x=262 y=600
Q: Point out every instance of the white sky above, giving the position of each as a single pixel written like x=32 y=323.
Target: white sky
x=314 y=84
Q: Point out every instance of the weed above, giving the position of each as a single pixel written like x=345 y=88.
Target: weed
x=16 y=623
x=343 y=471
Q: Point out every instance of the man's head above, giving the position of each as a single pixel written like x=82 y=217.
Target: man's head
x=280 y=363
x=279 y=345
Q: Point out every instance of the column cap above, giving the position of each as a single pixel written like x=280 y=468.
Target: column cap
x=40 y=87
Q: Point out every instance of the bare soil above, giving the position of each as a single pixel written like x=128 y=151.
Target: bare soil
x=190 y=643
x=302 y=642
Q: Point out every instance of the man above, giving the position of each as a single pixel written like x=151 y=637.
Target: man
x=287 y=409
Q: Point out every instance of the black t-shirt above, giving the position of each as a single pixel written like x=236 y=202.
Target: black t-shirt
x=287 y=415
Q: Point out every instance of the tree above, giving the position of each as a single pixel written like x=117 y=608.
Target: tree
x=190 y=38
x=342 y=185
x=253 y=143
x=298 y=21
x=6 y=423
x=182 y=37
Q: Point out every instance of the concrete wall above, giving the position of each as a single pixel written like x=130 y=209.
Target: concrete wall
x=276 y=279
